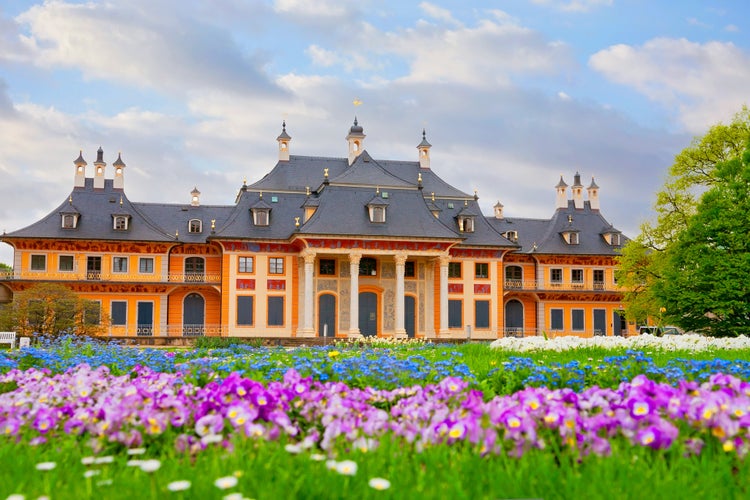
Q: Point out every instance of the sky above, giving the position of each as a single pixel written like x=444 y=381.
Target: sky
x=512 y=94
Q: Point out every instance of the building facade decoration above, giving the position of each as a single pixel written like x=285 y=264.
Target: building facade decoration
x=371 y=247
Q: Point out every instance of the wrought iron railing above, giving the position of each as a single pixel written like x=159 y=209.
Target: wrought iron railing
x=181 y=330
x=196 y=278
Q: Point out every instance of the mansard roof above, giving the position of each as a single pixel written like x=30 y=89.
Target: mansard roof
x=544 y=236
x=407 y=215
x=96 y=208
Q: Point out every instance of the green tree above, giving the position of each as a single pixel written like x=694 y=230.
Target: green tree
x=5 y=269
x=705 y=285
x=51 y=309
x=642 y=264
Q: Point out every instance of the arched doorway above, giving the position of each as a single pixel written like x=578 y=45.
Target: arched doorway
x=193 y=315
x=368 y=313
x=409 y=315
x=513 y=318
x=327 y=315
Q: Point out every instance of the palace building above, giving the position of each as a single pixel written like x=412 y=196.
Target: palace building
x=335 y=246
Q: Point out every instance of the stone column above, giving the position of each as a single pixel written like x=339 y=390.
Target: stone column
x=354 y=259
x=444 y=260
x=400 y=268
x=307 y=320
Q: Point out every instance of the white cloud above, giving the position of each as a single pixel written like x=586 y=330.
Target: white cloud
x=314 y=9
x=703 y=83
x=135 y=46
x=574 y=5
x=438 y=13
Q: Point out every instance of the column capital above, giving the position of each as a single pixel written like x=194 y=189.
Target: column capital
x=444 y=259
x=355 y=256
x=309 y=256
x=400 y=258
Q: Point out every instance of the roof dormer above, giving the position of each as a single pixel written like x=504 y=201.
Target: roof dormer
x=376 y=208
x=261 y=212
x=466 y=219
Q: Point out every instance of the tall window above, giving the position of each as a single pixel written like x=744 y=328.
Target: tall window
x=556 y=319
x=275 y=311
x=245 y=310
x=245 y=264
x=276 y=265
x=455 y=314
x=482 y=314
x=65 y=263
x=93 y=267
x=119 y=264
x=195 y=268
x=481 y=270
x=38 y=262
x=598 y=279
x=119 y=313
x=513 y=277
x=454 y=269
x=576 y=276
x=577 y=321
x=146 y=265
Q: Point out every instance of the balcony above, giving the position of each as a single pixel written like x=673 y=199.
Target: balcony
x=194 y=278
x=563 y=286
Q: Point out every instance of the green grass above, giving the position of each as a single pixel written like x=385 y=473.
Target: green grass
x=267 y=471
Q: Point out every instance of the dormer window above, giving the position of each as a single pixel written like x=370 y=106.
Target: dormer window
x=377 y=214
x=195 y=226
x=512 y=235
x=261 y=216
x=120 y=222
x=466 y=224
x=376 y=208
x=69 y=221
x=571 y=237
x=613 y=238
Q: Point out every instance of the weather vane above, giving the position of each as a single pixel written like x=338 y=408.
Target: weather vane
x=357 y=101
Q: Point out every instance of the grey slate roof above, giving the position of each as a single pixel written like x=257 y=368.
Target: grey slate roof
x=343 y=211
x=284 y=207
x=366 y=171
x=96 y=206
x=546 y=233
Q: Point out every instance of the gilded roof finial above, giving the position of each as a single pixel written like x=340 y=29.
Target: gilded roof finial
x=325 y=172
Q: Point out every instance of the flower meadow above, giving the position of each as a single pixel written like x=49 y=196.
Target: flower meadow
x=649 y=418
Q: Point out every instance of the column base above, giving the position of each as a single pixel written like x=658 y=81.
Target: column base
x=306 y=332
x=355 y=334
x=400 y=333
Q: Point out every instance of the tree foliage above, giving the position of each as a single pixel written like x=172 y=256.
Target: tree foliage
x=644 y=259
x=51 y=309
x=705 y=285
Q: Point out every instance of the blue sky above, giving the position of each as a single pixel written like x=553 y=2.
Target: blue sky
x=512 y=93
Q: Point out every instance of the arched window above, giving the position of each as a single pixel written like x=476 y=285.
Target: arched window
x=195 y=226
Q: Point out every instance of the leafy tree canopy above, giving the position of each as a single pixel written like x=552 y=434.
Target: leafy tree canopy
x=705 y=283
x=51 y=309
x=644 y=259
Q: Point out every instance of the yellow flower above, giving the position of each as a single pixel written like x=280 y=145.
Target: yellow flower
x=333 y=354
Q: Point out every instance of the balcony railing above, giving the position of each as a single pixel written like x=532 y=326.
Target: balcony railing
x=195 y=278
x=183 y=330
x=542 y=285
